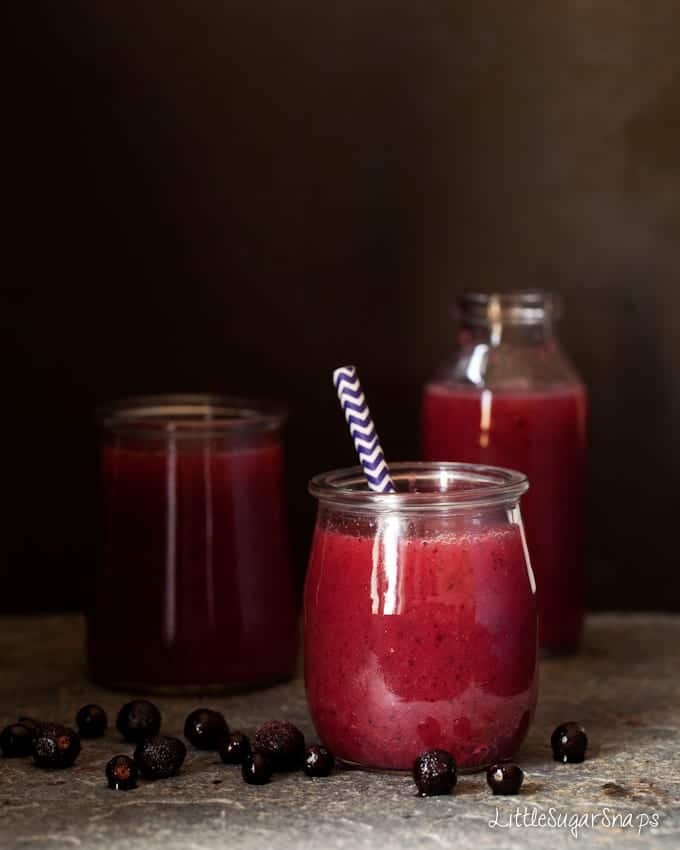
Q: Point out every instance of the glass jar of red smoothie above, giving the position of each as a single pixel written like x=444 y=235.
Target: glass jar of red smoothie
x=194 y=587
x=420 y=616
x=509 y=396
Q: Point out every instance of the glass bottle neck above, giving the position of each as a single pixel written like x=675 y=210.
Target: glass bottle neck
x=520 y=318
x=507 y=341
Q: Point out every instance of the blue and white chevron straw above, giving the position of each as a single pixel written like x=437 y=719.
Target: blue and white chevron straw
x=362 y=429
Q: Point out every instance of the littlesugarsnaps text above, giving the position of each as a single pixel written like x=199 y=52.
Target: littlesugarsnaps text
x=528 y=817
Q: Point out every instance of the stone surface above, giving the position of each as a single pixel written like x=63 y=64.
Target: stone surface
x=624 y=686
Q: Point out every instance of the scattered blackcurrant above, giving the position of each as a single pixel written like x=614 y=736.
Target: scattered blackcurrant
x=434 y=773
x=505 y=778
x=55 y=746
x=15 y=741
x=256 y=769
x=569 y=742
x=235 y=748
x=282 y=743
x=205 y=728
x=91 y=721
x=138 y=719
x=319 y=761
x=160 y=757
x=121 y=773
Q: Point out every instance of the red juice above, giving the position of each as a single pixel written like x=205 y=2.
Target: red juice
x=195 y=585
x=541 y=433
x=419 y=639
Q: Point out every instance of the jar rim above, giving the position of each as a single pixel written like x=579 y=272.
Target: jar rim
x=460 y=486
x=189 y=414
x=518 y=306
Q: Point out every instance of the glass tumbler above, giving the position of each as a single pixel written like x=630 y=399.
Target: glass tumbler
x=194 y=586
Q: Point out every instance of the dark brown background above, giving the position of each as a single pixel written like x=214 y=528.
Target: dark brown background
x=239 y=196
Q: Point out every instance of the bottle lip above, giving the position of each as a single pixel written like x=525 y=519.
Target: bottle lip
x=189 y=415
x=423 y=486
x=518 y=306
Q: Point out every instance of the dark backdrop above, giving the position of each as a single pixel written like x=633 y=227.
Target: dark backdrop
x=239 y=196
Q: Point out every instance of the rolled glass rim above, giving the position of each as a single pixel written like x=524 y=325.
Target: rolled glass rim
x=515 y=306
x=189 y=415
x=498 y=486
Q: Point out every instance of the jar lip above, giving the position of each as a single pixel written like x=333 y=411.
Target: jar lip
x=189 y=414
x=520 y=306
x=458 y=486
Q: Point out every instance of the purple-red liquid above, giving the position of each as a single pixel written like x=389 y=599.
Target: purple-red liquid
x=543 y=435
x=418 y=642
x=194 y=587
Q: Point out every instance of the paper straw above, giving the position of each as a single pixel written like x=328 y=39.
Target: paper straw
x=362 y=429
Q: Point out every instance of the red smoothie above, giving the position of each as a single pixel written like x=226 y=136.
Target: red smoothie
x=194 y=586
x=541 y=433
x=418 y=639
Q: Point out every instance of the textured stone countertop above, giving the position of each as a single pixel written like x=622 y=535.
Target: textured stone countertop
x=624 y=686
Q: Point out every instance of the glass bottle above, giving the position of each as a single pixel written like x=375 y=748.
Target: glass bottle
x=508 y=395
x=420 y=616
x=194 y=588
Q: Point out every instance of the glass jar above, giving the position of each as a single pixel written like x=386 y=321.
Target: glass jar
x=420 y=616
x=194 y=588
x=509 y=396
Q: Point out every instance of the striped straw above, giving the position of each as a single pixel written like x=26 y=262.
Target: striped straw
x=362 y=429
